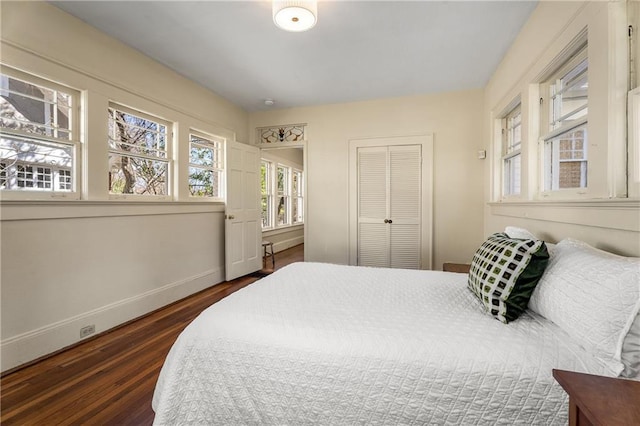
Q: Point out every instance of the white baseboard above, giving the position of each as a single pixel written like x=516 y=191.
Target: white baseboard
x=291 y=242
x=34 y=344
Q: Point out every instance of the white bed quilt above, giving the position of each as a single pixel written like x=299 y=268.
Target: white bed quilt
x=340 y=345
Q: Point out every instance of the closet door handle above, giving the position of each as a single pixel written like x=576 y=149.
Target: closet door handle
x=388 y=221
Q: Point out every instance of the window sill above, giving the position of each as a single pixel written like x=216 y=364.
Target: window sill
x=282 y=229
x=598 y=213
x=33 y=210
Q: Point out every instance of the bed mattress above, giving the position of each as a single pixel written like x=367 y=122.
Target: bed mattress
x=330 y=344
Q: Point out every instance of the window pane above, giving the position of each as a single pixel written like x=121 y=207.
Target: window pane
x=136 y=135
x=514 y=130
x=296 y=210
x=264 y=178
x=206 y=152
x=204 y=183
x=572 y=174
x=266 y=208
x=34 y=109
x=31 y=163
x=569 y=96
x=512 y=175
x=566 y=159
x=136 y=175
x=282 y=180
x=201 y=156
x=282 y=211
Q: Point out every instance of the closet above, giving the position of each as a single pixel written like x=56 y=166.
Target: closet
x=390 y=202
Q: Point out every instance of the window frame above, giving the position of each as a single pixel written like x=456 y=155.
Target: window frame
x=72 y=143
x=273 y=194
x=634 y=143
x=297 y=197
x=266 y=193
x=167 y=159
x=511 y=151
x=214 y=143
x=552 y=129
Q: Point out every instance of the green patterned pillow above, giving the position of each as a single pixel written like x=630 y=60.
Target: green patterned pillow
x=504 y=272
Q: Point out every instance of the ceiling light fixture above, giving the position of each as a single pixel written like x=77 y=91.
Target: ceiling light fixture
x=294 y=15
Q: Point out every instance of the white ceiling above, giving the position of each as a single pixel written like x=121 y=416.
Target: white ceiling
x=358 y=50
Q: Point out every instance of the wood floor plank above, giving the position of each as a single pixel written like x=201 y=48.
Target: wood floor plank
x=110 y=379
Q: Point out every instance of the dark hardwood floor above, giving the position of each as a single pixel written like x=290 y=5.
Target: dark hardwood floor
x=109 y=379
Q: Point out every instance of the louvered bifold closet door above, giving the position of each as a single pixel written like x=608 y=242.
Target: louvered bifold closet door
x=373 y=184
x=405 y=164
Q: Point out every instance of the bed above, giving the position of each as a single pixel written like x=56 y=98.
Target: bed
x=332 y=344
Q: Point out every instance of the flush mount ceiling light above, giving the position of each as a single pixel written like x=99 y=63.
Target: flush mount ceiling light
x=295 y=15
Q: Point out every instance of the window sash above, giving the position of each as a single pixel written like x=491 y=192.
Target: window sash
x=143 y=176
x=18 y=153
x=53 y=104
x=511 y=148
x=38 y=132
x=569 y=77
x=147 y=142
x=558 y=172
x=206 y=167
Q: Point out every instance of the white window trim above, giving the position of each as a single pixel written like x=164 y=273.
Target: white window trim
x=169 y=156
x=75 y=142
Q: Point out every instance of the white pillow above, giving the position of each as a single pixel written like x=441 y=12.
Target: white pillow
x=519 y=233
x=595 y=297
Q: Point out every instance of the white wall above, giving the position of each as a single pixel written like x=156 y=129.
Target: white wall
x=455 y=121
x=603 y=216
x=66 y=265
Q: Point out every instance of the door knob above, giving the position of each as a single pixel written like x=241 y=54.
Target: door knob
x=231 y=217
x=390 y=221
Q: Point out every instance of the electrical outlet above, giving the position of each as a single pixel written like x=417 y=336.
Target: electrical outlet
x=87 y=331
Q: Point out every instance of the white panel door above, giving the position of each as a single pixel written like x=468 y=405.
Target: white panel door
x=389 y=201
x=243 y=230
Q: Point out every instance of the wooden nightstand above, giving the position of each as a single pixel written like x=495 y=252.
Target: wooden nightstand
x=456 y=267
x=597 y=400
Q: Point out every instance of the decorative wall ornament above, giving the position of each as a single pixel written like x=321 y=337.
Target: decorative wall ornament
x=279 y=134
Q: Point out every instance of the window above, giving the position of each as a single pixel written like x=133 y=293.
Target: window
x=38 y=145
x=266 y=183
x=138 y=153
x=511 y=151
x=206 y=166
x=297 y=204
x=282 y=195
x=634 y=143
x=565 y=128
